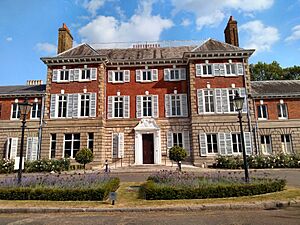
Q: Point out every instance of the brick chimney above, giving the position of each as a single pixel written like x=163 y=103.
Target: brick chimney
x=65 y=39
x=231 y=32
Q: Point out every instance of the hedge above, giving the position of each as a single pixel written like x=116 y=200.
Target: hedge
x=153 y=191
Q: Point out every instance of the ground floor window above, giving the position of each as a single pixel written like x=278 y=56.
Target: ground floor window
x=52 y=146
x=236 y=143
x=266 y=147
x=90 y=142
x=177 y=139
x=286 y=143
x=71 y=145
x=212 y=143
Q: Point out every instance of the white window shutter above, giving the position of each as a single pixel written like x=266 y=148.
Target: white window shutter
x=115 y=145
x=225 y=100
x=14 y=148
x=186 y=142
x=216 y=69
x=155 y=106
x=184 y=105
x=76 y=74
x=170 y=140
x=200 y=101
x=240 y=69
x=70 y=105
x=139 y=106
x=110 y=76
x=203 y=144
x=155 y=74
x=228 y=143
x=7 y=148
x=243 y=94
x=53 y=104
x=121 y=145
x=198 y=69
x=218 y=97
x=166 y=74
x=126 y=100
x=76 y=101
x=71 y=75
x=167 y=105
x=126 y=75
x=182 y=74
x=109 y=107
x=222 y=69
x=29 y=148
x=34 y=154
x=248 y=147
x=93 y=104
x=138 y=75
x=94 y=74
x=55 y=75
x=222 y=144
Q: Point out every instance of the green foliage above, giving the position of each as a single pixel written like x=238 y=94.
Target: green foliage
x=273 y=71
x=259 y=161
x=84 y=156
x=6 y=166
x=177 y=153
x=153 y=191
x=47 y=165
x=81 y=193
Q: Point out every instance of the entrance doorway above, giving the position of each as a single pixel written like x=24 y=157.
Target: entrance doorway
x=148 y=148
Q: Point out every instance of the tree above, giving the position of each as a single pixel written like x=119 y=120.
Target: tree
x=84 y=156
x=264 y=71
x=292 y=73
x=177 y=154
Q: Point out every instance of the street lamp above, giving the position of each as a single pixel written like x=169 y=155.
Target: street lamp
x=238 y=104
x=24 y=108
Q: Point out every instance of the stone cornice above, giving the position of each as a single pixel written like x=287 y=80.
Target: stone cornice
x=218 y=54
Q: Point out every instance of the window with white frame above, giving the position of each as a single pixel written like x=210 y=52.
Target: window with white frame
x=118 y=76
x=85 y=74
x=282 y=111
x=90 y=141
x=71 y=145
x=11 y=148
x=147 y=106
x=207 y=69
x=212 y=143
x=15 y=111
x=85 y=105
x=262 y=112
x=146 y=75
x=118 y=107
x=266 y=146
x=64 y=75
x=175 y=105
x=231 y=69
x=236 y=143
x=231 y=94
x=36 y=111
x=62 y=106
x=32 y=148
x=219 y=69
x=117 y=145
x=174 y=74
x=209 y=101
x=286 y=143
x=52 y=146
x=178 y=139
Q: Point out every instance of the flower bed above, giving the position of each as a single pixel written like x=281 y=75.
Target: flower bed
x=175 y=185
x=259 y=162
x=85 y=187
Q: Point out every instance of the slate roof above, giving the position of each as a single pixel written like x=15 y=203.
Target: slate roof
x=276 y=88
x=22 y=90
x=177 y=52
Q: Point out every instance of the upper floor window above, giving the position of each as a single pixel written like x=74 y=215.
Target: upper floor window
x=147 y=106
x=62 y=106
x=64 y=75
x=118 y=107
x=262 y=112
x=118 y=76
x=36 y=111
x=231 y=94
x=77 y=74
x=176 y=105
x=85 y=105
x=265 y=141
x=286 y=143
x=204 y=69
x=15 y=111
x=282 y=111
x=219 y=69
x=231 y=69
x=209 y=101
x=146 y=75
x=175 y=74
x=86 y=74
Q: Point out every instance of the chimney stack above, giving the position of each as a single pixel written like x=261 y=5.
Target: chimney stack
x=34 y=82
x=231 y=32
x=65 y=39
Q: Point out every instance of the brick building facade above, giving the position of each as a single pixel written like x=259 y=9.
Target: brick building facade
x=131 y=105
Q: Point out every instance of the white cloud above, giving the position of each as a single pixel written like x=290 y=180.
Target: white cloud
x=9 y=39
x=295 y=34
x=93 y=5
x=260 y=37
x=211 y=13
x=46 y=47
x=185 y=22
x=141 y=26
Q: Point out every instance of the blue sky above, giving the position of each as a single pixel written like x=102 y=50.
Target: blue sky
x=28 y=29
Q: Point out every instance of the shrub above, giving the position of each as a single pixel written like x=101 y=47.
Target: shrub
x=177 y=154
x=47 y=165
x=87 y=187
x=172 y=185
x=259 y=161
x=84 y=156
x=6 y=166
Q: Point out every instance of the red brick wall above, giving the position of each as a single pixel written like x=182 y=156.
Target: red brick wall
x=133 y=88
x=7 y=105
x=293 y=106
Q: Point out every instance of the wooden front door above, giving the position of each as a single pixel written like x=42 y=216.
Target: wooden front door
x=148 y=149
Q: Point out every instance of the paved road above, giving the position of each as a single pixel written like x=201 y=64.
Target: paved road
x=289 y=216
